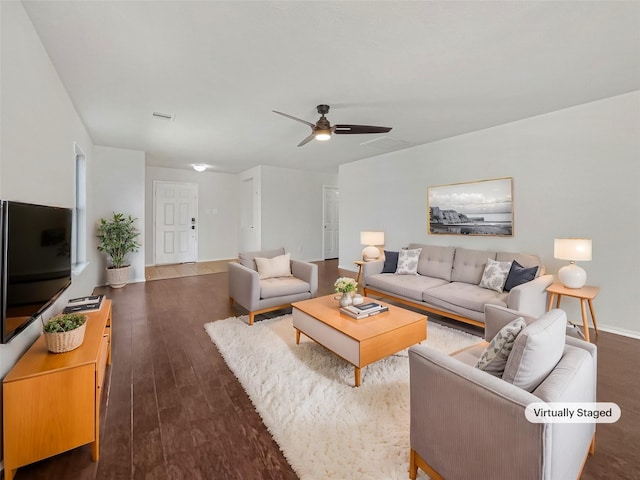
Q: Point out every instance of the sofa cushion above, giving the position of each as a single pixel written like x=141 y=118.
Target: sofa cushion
x=524 y=259
x=279 y=266
x=465 y=295
x=536 y=351
x=280 y=286
x=494 y=358
x=390 y=262
x=519 y=275
x=409 y=286
x=468 y=265
x=495 y=275
x=408 y=262
x=247 y=258
x=435 y=261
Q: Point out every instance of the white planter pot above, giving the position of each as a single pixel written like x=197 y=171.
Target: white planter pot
x=118 y=277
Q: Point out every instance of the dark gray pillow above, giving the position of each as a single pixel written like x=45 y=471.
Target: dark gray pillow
x=390 y=262
x=519 y=275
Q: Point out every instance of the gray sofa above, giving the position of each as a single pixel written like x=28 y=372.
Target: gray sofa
x=448 y=280
x=467 y=423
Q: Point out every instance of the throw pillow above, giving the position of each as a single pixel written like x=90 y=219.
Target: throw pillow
x=279 y=266
x=536 y=351
x=408 y=262
x=494 y=358
x=519 y=275
x=390 y=262
x=494 y=275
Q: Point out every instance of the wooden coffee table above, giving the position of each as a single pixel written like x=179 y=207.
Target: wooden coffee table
x=359 y=342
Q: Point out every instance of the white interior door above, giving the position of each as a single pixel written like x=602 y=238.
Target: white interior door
x=176 y=233
x=330 y=204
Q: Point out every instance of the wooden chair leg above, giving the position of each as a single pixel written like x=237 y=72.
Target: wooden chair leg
x=592 y=447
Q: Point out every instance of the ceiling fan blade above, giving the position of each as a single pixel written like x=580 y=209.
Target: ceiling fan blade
x=357 y=129
x=294 y=118
x=307 y=140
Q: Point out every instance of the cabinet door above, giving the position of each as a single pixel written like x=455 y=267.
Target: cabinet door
x=49 y=414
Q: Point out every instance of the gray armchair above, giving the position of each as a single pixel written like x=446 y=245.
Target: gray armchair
x=264 y=295
x=467 y=423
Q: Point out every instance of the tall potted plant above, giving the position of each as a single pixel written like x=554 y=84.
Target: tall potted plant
x=117 y=238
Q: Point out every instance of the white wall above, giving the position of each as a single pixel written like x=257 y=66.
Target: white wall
x=217 y=211
x=576 y=174
x=292 y=211
x=118 y=186
x=37 y=160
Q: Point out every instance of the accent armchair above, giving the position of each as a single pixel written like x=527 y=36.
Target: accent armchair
x=268 y=280
x=467 y=423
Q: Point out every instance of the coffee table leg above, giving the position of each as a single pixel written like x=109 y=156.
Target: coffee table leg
x=297 y=336
x=357 y=372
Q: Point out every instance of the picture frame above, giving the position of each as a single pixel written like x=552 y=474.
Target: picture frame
x=483 y=207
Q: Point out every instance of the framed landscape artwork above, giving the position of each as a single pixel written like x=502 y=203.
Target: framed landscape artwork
x=475 y=208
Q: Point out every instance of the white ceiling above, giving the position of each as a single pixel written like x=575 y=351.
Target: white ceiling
x=430 y=70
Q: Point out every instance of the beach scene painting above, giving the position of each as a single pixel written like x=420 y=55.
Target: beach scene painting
x=475 y=208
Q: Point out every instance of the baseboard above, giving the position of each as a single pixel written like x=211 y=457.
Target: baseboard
x=619 y=331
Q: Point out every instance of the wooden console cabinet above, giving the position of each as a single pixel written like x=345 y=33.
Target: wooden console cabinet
x=52 y=400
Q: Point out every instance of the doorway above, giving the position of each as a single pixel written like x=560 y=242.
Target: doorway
x=175 y=217
x=330 y=227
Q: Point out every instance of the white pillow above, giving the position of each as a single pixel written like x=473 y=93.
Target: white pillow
x=495 y=275
x=408 y=262
x=494 y=359
x=279 y=266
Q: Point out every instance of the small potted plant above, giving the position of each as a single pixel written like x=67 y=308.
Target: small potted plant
x=65 y=332
x=117 y=237
x=347 y=286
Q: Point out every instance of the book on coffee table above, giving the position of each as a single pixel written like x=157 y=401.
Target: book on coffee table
x=355 y=312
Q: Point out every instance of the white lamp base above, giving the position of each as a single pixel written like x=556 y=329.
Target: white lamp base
x=572 y=276
x=370 y=253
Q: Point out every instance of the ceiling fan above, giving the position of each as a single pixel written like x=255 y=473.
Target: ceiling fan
x=322 y=129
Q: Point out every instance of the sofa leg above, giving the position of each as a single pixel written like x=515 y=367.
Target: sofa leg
x=231 y=300
x=251 y=314
x=592 y=447
x=413 y=467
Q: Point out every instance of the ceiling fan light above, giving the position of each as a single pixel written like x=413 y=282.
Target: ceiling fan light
x=199 y=167
x=323 y=135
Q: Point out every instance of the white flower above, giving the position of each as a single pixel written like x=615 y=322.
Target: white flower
x=345 y=285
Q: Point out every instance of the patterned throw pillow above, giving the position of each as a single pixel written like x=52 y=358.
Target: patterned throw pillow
x=408 y=262
x=495 y=275
x=494 y=359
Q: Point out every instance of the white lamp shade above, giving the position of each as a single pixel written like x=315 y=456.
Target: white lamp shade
x=371 y=238
x=574 y=249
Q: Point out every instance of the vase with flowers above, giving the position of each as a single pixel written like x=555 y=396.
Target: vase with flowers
x=347 y=287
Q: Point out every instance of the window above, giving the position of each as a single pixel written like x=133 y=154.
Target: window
x=79 y=242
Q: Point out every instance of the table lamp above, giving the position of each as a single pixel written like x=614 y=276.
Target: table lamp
x=574 y=250
x=371 y=239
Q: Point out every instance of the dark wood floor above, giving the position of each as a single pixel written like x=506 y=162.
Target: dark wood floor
x=175 y=411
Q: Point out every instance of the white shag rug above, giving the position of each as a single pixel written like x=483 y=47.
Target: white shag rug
x=325 y=427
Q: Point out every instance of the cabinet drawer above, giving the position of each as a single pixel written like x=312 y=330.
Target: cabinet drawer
x=102 y=359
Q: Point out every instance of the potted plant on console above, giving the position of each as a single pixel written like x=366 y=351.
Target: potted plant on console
x=65 y=332
x=117 y=237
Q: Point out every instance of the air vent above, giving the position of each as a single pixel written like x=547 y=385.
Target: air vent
x=164 y=116
x=386 y=144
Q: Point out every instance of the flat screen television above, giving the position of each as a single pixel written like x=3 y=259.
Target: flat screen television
x=35 y=261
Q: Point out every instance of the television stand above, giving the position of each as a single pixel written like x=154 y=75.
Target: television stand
x=52 y=400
